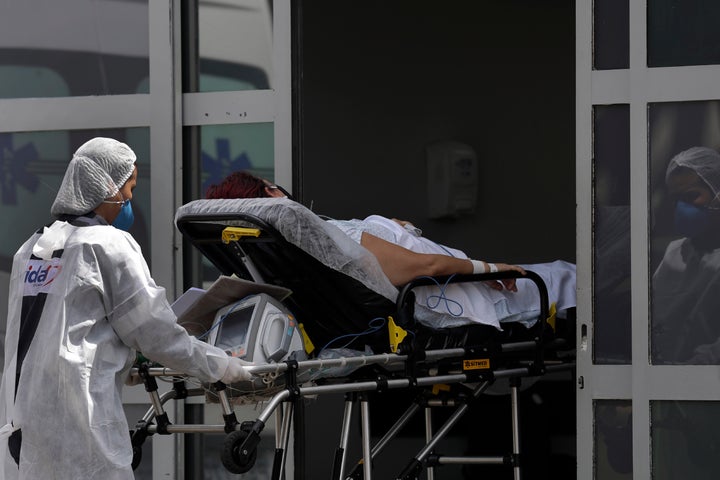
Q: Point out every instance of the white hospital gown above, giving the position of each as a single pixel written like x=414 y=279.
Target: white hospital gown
x=475 y=301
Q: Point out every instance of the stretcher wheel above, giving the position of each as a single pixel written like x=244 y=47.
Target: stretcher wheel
x=136 y=450
x=137 y=456
x=232 y=458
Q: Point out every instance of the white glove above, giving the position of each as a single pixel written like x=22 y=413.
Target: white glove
x=236 y=371
x=132 y=380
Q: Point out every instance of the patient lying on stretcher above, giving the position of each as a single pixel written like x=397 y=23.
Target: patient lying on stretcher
x=403 y=254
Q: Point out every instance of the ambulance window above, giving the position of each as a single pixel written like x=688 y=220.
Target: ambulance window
x=95 y=48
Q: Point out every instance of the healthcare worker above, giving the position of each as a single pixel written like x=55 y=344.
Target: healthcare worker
x=81 y=304
x=686 y=285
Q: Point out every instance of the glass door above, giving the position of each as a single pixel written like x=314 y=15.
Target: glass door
x=648 y=177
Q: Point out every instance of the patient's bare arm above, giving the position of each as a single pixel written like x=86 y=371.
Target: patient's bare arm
x=401 y=265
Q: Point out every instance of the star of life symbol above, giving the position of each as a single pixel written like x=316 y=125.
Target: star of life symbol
x=216 y=168
x=14 y=169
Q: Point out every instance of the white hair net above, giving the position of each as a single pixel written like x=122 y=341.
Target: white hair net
x=98 y=169
x=705 y=162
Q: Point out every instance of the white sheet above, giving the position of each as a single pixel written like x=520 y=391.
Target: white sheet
x=476 y=301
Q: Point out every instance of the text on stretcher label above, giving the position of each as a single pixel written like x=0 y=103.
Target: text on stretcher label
x=476 y=364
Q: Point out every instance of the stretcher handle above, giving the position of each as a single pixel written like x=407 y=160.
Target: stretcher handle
x=186 y=222
x=406 y=299
x=253 y=229
x=233 y=234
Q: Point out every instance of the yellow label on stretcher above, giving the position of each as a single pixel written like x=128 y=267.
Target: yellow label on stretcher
x=440 y=387
x=307 y=343
x=476 y=364
x=552 y=315
x=231 y=234
x=397 y=334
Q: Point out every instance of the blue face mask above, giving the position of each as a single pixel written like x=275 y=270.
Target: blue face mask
x=125 y=218
x=691 y=220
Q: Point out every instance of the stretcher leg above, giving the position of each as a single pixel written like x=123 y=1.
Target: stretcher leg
x=278 y=457
x=283 y=421
x=415 y=466
x=428 y=438
x=514 y=384
x=341 y=452
x=513 y=459
x=389 y=435
x=367 y=455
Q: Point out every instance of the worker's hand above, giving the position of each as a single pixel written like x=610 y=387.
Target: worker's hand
x=132 y=380
x=236 y=371
x=506 y=283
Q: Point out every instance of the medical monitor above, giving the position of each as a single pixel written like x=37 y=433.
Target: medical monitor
x=233 y=330
x=257 y=328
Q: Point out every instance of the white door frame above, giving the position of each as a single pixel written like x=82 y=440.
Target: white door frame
x=640 y=382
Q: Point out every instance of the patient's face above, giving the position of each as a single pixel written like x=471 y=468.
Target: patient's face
x=275 y=191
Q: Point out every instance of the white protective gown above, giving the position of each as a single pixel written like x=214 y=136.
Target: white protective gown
x=100 y=307
x=685 y=305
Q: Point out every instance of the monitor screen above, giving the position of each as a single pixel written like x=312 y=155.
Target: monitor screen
x=233 y=330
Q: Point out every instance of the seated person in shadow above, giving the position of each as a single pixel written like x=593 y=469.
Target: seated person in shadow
x=404 y=254
x=685 y=328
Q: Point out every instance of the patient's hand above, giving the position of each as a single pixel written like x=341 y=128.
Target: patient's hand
x=505 y=283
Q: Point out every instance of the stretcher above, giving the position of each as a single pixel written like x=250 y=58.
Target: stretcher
x=338 y=326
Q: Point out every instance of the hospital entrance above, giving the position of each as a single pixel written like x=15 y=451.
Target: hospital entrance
x=401 y=88
x=517 y=131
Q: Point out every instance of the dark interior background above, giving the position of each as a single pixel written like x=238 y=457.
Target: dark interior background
x=379 y=80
